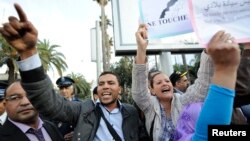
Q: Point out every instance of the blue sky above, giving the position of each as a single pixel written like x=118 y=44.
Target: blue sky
x=66 y=23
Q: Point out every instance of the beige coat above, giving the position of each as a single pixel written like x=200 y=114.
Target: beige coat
x=150 y=105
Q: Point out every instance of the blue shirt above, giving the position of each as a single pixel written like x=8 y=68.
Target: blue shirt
x=114 y=117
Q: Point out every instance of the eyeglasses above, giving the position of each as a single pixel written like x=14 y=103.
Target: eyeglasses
x=14 y=98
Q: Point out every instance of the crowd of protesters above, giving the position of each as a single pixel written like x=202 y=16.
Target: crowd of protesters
x=171 y=108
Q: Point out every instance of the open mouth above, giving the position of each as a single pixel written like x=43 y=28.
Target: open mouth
x=165 y=91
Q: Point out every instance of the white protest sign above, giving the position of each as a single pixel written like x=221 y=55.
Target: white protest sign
x=165 y=17
x=210 y=16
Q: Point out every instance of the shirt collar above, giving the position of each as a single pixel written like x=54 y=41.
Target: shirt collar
x=25 y=127
x=3 y=117
x=178 y=91
x=99 y=102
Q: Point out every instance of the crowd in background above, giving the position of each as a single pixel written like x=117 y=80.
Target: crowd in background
x=166 y=107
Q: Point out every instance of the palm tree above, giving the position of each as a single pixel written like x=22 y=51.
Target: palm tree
x=82 y=87
x=50 y=57
x=8 y=55
x=104 y=21
x=124 y=69
x=48 y=54
x=193 y=67
x=108 y=41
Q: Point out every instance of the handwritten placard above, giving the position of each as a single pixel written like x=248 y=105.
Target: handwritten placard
x=210 y=16
x=165 y=17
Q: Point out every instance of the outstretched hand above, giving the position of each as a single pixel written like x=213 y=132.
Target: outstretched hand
x=20 y=34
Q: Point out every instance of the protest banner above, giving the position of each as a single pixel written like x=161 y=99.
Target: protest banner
x=210 y=16
x=165 y=17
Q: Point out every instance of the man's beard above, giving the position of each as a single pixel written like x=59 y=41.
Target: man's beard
x=111 y=102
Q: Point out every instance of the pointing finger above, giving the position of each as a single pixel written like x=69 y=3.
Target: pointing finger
x=20 y=12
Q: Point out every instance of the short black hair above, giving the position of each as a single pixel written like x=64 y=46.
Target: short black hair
x=95 y=90
x=176 y=76
x=5 y=91
x=112 y=73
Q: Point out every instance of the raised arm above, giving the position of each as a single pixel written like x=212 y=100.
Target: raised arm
x=219 y=102
x=140 y=92
x=226 y=59
x=197 y=92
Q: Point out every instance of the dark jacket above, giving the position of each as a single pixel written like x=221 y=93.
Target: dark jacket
x=80 y=114
x=242 y=88
x=10 y=132
x=65 y=128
